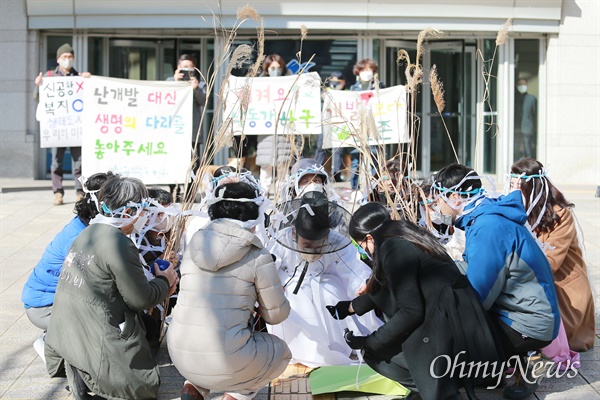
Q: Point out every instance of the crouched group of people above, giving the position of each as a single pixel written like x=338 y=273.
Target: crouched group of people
x=331 y=287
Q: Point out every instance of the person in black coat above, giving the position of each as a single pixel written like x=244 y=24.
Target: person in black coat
x=433 y=320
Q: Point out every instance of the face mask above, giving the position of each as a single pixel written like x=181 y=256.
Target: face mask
x=164 y=225
x=437 y=217
x=310 y=257
x=366 y=76
x=311 y=187
x=335 y=85
x=522 y=88
x=66 y=63
x=139 y=224
x=275 y=72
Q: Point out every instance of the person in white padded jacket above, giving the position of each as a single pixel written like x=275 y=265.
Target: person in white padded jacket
x=224 y=273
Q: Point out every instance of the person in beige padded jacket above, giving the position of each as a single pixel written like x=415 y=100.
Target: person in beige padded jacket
x=225 y=271
x=552 y=221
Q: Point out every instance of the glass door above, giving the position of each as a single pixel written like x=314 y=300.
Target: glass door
x=448 y=137
x=138 y=59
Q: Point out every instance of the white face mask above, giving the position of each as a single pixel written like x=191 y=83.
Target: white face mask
x=275 y=72
x=139 y=224
x=164 y=225
x=366 y=76
x=437 y=217
x=310 y=257
x=66 y=63
x=522 y=88
x=311 y=187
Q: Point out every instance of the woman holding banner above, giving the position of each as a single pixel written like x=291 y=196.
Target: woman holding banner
x=365 y=71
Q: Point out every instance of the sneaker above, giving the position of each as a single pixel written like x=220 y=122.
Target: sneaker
x=519 y=390
x=77 y=385
x=536 y=369
x=191 y=392
x=58 y=199
x=538 y=365
x=39 y=345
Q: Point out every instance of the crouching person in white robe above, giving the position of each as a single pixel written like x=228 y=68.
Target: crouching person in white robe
x=317 y=264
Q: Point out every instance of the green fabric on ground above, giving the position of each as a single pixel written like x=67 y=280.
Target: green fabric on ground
x=343 y=378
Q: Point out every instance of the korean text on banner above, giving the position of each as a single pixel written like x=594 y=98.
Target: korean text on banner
x=141 y=129
x=342 y=116
x=293 y=101
x=60 y=111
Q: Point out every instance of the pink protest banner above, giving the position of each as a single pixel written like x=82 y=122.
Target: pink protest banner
x=274 y=105
x=60 y=111
x=137 y=128
x=344 y=113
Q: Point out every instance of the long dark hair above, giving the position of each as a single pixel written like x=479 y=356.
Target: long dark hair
x=533 y=187
x=366 y=219
x=86 y=208
x=370 y=219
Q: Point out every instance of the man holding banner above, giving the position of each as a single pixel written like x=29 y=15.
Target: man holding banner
x=64 y=57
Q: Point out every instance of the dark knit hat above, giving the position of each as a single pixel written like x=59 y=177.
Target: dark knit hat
x=65 y=48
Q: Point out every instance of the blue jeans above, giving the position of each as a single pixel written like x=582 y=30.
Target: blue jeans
x=355 y=165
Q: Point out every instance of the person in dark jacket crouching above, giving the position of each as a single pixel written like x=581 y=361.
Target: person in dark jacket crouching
x=433 y=318
x=96 y=337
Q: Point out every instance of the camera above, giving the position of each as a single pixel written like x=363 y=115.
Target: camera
x=188 y=73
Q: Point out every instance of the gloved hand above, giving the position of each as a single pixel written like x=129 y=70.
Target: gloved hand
x=340 y=310
x=355 y=342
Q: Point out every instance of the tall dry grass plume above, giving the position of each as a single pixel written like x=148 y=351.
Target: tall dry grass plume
x=248 y=12
x=503 y=33
x=303 y=32
x=437 y=88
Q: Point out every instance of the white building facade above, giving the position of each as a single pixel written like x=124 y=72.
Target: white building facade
x=554 y=45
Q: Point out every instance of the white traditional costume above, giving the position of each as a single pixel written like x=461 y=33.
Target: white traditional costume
x=315 y=277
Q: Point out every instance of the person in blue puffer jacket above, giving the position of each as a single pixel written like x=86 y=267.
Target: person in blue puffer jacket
x=506 y=267
x=38 y=292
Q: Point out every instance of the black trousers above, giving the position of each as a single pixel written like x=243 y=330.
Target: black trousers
x=514 y=343
x=396 y=369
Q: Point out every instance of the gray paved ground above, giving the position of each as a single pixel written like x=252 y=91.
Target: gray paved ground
x=29 y=221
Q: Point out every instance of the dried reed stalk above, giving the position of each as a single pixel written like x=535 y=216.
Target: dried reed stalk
x=437 y=89
x=218 y=135
x=486 y=73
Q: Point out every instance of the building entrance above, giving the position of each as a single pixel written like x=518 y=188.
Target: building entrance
x=448 y=137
